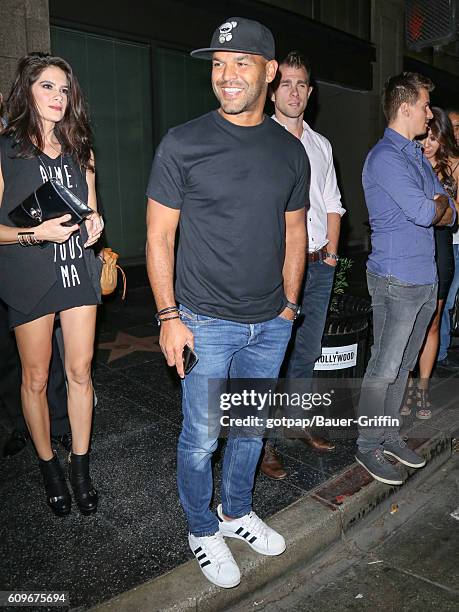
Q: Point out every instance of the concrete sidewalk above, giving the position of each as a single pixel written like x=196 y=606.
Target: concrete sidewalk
x=309 y=525
x=402 y=557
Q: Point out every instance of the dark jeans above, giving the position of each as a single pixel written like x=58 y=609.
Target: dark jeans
x=445 y=329
x=306 y=342
x=10 y=381
x=10 y=373
x=308 y=332
x=401 y=314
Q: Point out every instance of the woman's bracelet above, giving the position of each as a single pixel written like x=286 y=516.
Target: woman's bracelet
x=28 y=239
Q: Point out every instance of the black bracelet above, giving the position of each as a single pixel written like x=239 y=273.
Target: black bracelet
x=164 y=311
x=168 y=319
x=167 y=309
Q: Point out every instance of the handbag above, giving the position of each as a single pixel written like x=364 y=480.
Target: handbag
x=49 y=201
x=109 y=276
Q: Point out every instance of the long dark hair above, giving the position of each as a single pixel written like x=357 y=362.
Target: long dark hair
x=442 y=130
x=24 y=125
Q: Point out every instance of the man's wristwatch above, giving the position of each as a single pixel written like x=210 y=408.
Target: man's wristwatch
x=331 y=256
x=295 y=307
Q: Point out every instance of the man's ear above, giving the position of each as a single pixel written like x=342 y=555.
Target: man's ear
x=404 y=109
x=271 y=69
x=310 y=91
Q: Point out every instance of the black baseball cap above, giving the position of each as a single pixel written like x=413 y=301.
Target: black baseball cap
x=240 y=35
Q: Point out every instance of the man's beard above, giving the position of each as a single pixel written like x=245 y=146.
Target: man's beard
x=236 y=107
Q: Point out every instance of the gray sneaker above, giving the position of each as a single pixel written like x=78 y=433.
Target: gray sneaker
x=399 y=450
x=377 y=465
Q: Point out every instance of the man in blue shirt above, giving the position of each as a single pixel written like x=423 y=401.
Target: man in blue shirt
x=404 y=200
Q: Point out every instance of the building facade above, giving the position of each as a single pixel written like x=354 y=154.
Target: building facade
x=132 y=60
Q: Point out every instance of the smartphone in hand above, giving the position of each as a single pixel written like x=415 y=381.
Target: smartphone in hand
x=190 y=359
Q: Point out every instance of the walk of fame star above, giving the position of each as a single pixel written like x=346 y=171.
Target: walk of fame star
x=124 y=344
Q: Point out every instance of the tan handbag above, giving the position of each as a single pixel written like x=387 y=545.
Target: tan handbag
x=109 y=277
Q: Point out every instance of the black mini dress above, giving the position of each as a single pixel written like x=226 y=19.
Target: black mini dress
x=36 y=281
x=72 y=288
x=444 y=254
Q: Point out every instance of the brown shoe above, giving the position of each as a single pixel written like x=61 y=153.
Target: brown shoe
x=271 y=465
x=315 y=442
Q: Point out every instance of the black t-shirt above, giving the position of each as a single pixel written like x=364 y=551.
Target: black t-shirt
x=233 y=186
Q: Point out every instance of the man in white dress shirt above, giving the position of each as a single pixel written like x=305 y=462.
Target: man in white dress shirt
x=290 y=94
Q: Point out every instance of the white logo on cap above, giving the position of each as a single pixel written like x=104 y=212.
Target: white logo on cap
x=225 y=31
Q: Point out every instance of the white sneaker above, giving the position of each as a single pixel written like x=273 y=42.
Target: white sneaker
x=215 y=560
x=254 y=531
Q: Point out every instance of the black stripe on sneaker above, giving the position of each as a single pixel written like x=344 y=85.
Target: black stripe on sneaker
x=246 y=534
x=205 y=563
x=238 y=531
x=252 y=540
x=203 y=556
x=198 y=550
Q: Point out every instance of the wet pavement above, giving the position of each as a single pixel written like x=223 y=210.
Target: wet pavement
x=403 y=557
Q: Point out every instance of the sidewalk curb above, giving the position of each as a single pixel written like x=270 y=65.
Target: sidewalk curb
x=309 y=525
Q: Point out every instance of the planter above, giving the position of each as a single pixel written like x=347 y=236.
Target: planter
x=341 y=367
x=345 y=341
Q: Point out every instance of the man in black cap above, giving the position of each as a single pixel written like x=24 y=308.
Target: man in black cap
x=238 y=183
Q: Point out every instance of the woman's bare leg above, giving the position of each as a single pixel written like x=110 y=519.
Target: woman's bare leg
x=429 y=351
x=78 y=328
x=34 y=342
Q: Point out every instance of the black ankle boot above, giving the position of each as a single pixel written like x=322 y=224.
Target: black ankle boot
x=85 y=494
x=57 y=493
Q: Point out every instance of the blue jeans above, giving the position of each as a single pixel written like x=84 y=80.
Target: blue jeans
x=445 y=327
x=225 y=349
x=307 y=339
x=401 y=314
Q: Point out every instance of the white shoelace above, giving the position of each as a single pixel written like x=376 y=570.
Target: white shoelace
x=217 y=547
x=255 y=525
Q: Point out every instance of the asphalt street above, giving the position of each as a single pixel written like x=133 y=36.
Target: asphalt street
x=404 y=557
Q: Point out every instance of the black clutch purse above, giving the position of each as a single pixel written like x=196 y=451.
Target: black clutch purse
x=49 y=201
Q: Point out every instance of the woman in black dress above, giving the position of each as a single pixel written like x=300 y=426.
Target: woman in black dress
x=51 y=268
x=443 y=154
